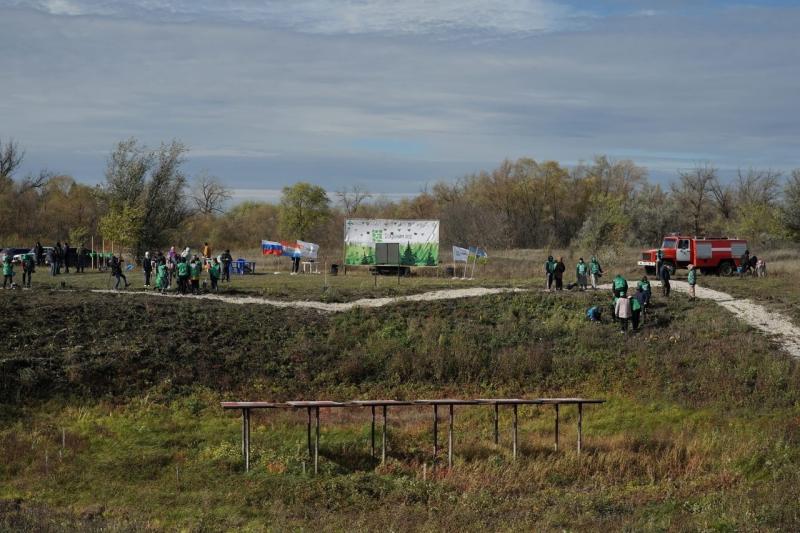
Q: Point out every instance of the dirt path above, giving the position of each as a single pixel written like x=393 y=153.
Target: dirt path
x=751 y=313
x=449 y=294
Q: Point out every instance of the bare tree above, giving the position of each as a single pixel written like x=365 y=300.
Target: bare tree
x=351 y=199
x=723 y=198
x=10 y=158
x=758 y=187
x=35 y=182
x=209 y=195
x=693 y=192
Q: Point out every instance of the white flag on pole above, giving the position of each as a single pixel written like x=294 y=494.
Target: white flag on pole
x=460 y=255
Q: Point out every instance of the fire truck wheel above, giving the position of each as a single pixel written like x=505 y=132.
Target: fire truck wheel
x=725 y=268
x=650 y=271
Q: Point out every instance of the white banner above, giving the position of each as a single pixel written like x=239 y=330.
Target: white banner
x=308 y=250
x=418 y=240
x=460 y=255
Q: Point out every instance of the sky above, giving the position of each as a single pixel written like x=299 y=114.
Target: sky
x=394 y=95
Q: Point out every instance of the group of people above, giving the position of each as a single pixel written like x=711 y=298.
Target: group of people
x=554 y=273
x=181 y=271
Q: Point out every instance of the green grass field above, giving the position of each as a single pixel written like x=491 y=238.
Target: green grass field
x=701 y=429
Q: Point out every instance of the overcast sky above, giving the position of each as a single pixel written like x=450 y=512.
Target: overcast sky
x=394 y=94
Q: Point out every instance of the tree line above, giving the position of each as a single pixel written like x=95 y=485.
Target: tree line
x=148 y=202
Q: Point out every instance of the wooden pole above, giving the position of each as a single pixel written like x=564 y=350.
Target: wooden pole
x=383 y=440
x=316 y=443
x=450 y=439
x=514 y=434
x=496 y=424
x=556 y=427
x=308 y=431
x=580 y=428
x=246 y=440
x=373 y=432
x=435 y=431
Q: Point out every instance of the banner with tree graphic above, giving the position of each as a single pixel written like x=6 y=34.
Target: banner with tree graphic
x=418 y=240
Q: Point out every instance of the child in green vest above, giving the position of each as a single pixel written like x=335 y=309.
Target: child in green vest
x=8 y=272
x=214 y=273
x=580 y=271
x=595 y=271
x=161 y=275
x=195 y=268
x=183 y=275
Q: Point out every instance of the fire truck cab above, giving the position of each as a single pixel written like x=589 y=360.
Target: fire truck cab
x=719 y=255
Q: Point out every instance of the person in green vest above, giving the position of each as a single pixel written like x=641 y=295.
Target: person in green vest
x=644 y=286
x=620 y=286
x=214 y=273
x=183 y=275
x=637 y=305
x=8 y=271
x=580 y=272
x=28 y=268
x=550 y=271
x=692 y=279
x=195 y=268
x=595 y=271
x=161 y=275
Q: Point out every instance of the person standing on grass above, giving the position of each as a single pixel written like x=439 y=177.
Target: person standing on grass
x=644 y=286
x=595 y=271
x=558 y=273
x=116 y=271
x=80 y=261
x=226 y=259
x=8 y=271
x=549 y=270
x=206 y=251
x=39 y=251
x=619 y=286
x=28 y=268
x=637 y=306
x=744 y=263
x=161 y=275
x=623 y=312
x=665 y=275
x=214 y=273
x=659 y=262
x=51 y=258
x=182 y=269
x=692 y=279
x=66 y=257
x=56 y=264
x=580 y=274
x=195 y=267
x=147 y=268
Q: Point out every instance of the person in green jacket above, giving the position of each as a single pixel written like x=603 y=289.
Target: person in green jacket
x=580 y=273
x=195 y=267
x=8 y=271
x=620 y=286
x=644 y=286
x=161 y=275
x=595 y=270
x=550 y=270
x=637 y=306
x=692 y=279
x=28 y=268
x=214 y=273
x=183 y=275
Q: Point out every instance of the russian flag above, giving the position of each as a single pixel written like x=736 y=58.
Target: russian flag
x=271 y=248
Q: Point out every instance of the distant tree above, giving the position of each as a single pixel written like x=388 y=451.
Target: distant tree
x=606 y=227
x=352 y=198
x=10 y=159
x=123 y=225
x=209 y=195
x=693 y=194
x=303 y=208
x=791 y=205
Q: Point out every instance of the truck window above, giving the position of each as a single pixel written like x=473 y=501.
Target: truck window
x=683 y=244
x=669 y=243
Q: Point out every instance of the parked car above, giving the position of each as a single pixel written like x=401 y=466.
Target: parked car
x=15 y=253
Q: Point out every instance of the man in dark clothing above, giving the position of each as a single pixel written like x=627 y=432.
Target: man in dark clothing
x=56 y=257
x=81 y=259
x=66 y=258
x=227 y=259
x=116 y=271
x=744 y=263
x=637 y=306
x=38 y=250
x=28 y=268
x=147 y=267
x=550 y=271
x=558 y=273
x=665 y=275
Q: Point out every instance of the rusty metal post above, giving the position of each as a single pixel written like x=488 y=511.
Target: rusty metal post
x=450 y=439
x=556 y=423
x=435 y=432
x=383 y=442
x=580 y=427
x=514 y=436
x=247 y=440
x=316 y=443
x=496 y=423
x=373 y=432
x=308 y=432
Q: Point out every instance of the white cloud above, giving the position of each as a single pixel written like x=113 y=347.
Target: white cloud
x=393 y=17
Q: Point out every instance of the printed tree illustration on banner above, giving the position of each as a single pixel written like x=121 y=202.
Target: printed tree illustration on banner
x=408 y=256
x=429 y=259
x=367 y=259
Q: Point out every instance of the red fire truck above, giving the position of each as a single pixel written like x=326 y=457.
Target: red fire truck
x=710 y=254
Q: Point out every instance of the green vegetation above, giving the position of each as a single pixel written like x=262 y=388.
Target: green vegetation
x=701 y=430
